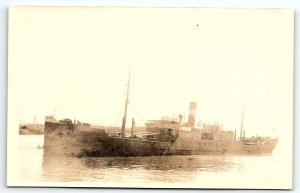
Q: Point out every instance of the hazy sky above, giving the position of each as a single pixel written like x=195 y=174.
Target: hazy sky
x=74 y=62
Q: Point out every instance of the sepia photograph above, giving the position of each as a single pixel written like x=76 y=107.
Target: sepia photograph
x=128 y=97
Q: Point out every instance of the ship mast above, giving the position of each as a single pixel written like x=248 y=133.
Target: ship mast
x=241 y=132
x=126 y=105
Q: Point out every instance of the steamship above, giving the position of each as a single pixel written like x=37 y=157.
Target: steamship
x=162 y=137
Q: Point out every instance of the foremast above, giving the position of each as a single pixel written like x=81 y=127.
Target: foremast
x=126 y=106
x=242 y=122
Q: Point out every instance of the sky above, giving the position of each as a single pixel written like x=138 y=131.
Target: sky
x=74 y=62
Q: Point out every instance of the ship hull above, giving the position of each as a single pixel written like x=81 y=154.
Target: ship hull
x=70 y=140
x=58 y=140
x=265 y=148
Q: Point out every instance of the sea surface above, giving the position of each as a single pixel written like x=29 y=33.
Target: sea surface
x=227 y=171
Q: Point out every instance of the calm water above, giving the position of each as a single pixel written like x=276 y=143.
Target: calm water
x=201 y=170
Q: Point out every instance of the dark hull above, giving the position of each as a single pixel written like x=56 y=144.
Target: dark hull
x=96 y=142
x=61 y=139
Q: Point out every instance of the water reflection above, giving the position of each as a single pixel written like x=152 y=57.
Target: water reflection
x=202 y=171
x=188 y=163
x=161 y=168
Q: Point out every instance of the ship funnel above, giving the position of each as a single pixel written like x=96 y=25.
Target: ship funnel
x=180 y=119
x=192 y=114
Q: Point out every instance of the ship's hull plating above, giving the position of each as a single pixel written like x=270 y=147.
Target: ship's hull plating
x=95 y=142
x=61 y=139
x=264 y=148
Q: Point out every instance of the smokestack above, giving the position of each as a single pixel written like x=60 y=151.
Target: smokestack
x=180 y=119
x=192 y=114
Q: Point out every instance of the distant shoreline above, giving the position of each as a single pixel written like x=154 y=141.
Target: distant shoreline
x=31 y=129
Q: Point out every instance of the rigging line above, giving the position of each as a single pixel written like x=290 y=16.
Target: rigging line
x=117 y=118
x=137 y=113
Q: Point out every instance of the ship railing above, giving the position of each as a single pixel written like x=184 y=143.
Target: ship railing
x=97 y=126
